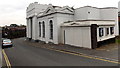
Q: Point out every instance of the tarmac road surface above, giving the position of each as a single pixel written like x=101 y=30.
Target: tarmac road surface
x=25 y=55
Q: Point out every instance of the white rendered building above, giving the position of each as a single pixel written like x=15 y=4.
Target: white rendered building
x=82 y=27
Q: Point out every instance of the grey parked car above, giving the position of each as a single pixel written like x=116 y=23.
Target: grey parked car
x=6 y=43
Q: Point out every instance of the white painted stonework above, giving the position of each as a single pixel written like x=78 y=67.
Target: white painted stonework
x=62 y=17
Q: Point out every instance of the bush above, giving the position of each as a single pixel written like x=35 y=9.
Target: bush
x=118 y=39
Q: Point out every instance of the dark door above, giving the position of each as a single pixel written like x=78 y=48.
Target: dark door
x=94 y=36
x=31 y=26
x=64 y=36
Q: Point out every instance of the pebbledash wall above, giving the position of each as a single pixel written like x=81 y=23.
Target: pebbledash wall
x=48 y=23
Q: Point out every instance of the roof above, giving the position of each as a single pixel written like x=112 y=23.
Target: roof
x=56 y=9
x=99 y=8
x=88 y=23
x=42 y=9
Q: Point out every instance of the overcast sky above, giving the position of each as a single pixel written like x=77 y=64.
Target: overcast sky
x=14 y=11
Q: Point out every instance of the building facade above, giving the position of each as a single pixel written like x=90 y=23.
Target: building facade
x=66 y=25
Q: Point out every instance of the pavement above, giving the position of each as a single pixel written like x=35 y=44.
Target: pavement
x=109 y=51
x=26 y=53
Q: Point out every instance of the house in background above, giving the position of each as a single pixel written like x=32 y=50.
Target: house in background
x=13 y=31
x=82 y=27
x=0 y=29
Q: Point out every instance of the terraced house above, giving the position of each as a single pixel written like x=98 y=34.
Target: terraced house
x=82 y=27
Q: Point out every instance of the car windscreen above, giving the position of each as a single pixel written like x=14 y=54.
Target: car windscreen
x=6 y=40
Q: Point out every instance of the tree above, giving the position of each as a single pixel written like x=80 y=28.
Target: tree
x=13 y=25
x=22 y=25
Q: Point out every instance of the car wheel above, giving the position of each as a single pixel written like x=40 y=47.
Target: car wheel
x=2 y=47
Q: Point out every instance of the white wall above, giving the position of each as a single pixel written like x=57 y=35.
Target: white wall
x=34 y=28
x=29 y=29
x=119 y=6
x=86 y=13
x=110 y=14
x=46 y=19
x=104 y=37
x=35 y=8
x=98 y=14
x=61 y=18
x=81 y=14
x=77 y=36
x=57 y=20
x=94 y=13
x=32 y=10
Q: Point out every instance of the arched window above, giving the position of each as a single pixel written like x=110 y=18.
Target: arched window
x=43 y=25
x=40 y=29
x=51 y=29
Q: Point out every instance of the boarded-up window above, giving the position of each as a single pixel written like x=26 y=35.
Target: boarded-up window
x=43 y=24
x=39 y=29
x=111 y=30
x=107 y=31
x=101 y=33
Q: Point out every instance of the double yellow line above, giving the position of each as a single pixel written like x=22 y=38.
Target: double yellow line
x=83 y=55
x=63 y=51
x=6 y=59
x=79 y=54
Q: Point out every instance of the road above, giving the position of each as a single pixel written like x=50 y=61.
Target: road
x=26 y=55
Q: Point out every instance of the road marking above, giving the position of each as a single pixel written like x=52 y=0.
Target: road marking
x=91 y=55
x=81 y=54
x=6 y=59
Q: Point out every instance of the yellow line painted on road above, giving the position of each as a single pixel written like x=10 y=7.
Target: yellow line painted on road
x=82 y=55
x=78 y=54
x=6 y=59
